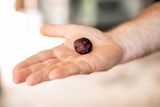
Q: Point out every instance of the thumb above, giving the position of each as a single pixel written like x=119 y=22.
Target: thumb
x=55 y=30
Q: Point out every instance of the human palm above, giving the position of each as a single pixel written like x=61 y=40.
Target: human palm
x=63 y=61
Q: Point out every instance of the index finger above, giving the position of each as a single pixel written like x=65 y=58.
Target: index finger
x=39 y=57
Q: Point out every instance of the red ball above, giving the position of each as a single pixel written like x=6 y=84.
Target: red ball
x=83 y=46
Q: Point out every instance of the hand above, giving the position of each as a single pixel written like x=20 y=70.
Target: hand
x=62 y=61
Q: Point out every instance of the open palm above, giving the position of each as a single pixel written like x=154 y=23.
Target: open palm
x=63 y=60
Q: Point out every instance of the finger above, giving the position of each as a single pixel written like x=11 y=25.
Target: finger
x=53 y=30
x=39 y=57
x=42 y=72
x=80 y=67
x=37 y=77
x=20 y=75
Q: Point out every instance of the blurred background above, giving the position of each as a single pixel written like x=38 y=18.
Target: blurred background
x=135 y=84
x=99 y=13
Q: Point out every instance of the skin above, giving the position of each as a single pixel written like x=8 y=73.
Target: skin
x=130 y=40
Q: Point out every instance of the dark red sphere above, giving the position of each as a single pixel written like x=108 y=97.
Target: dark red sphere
x=83 y=45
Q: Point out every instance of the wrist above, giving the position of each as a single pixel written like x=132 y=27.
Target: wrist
x=118 y=48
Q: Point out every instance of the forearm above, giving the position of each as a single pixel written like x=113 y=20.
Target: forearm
x=139 y=36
